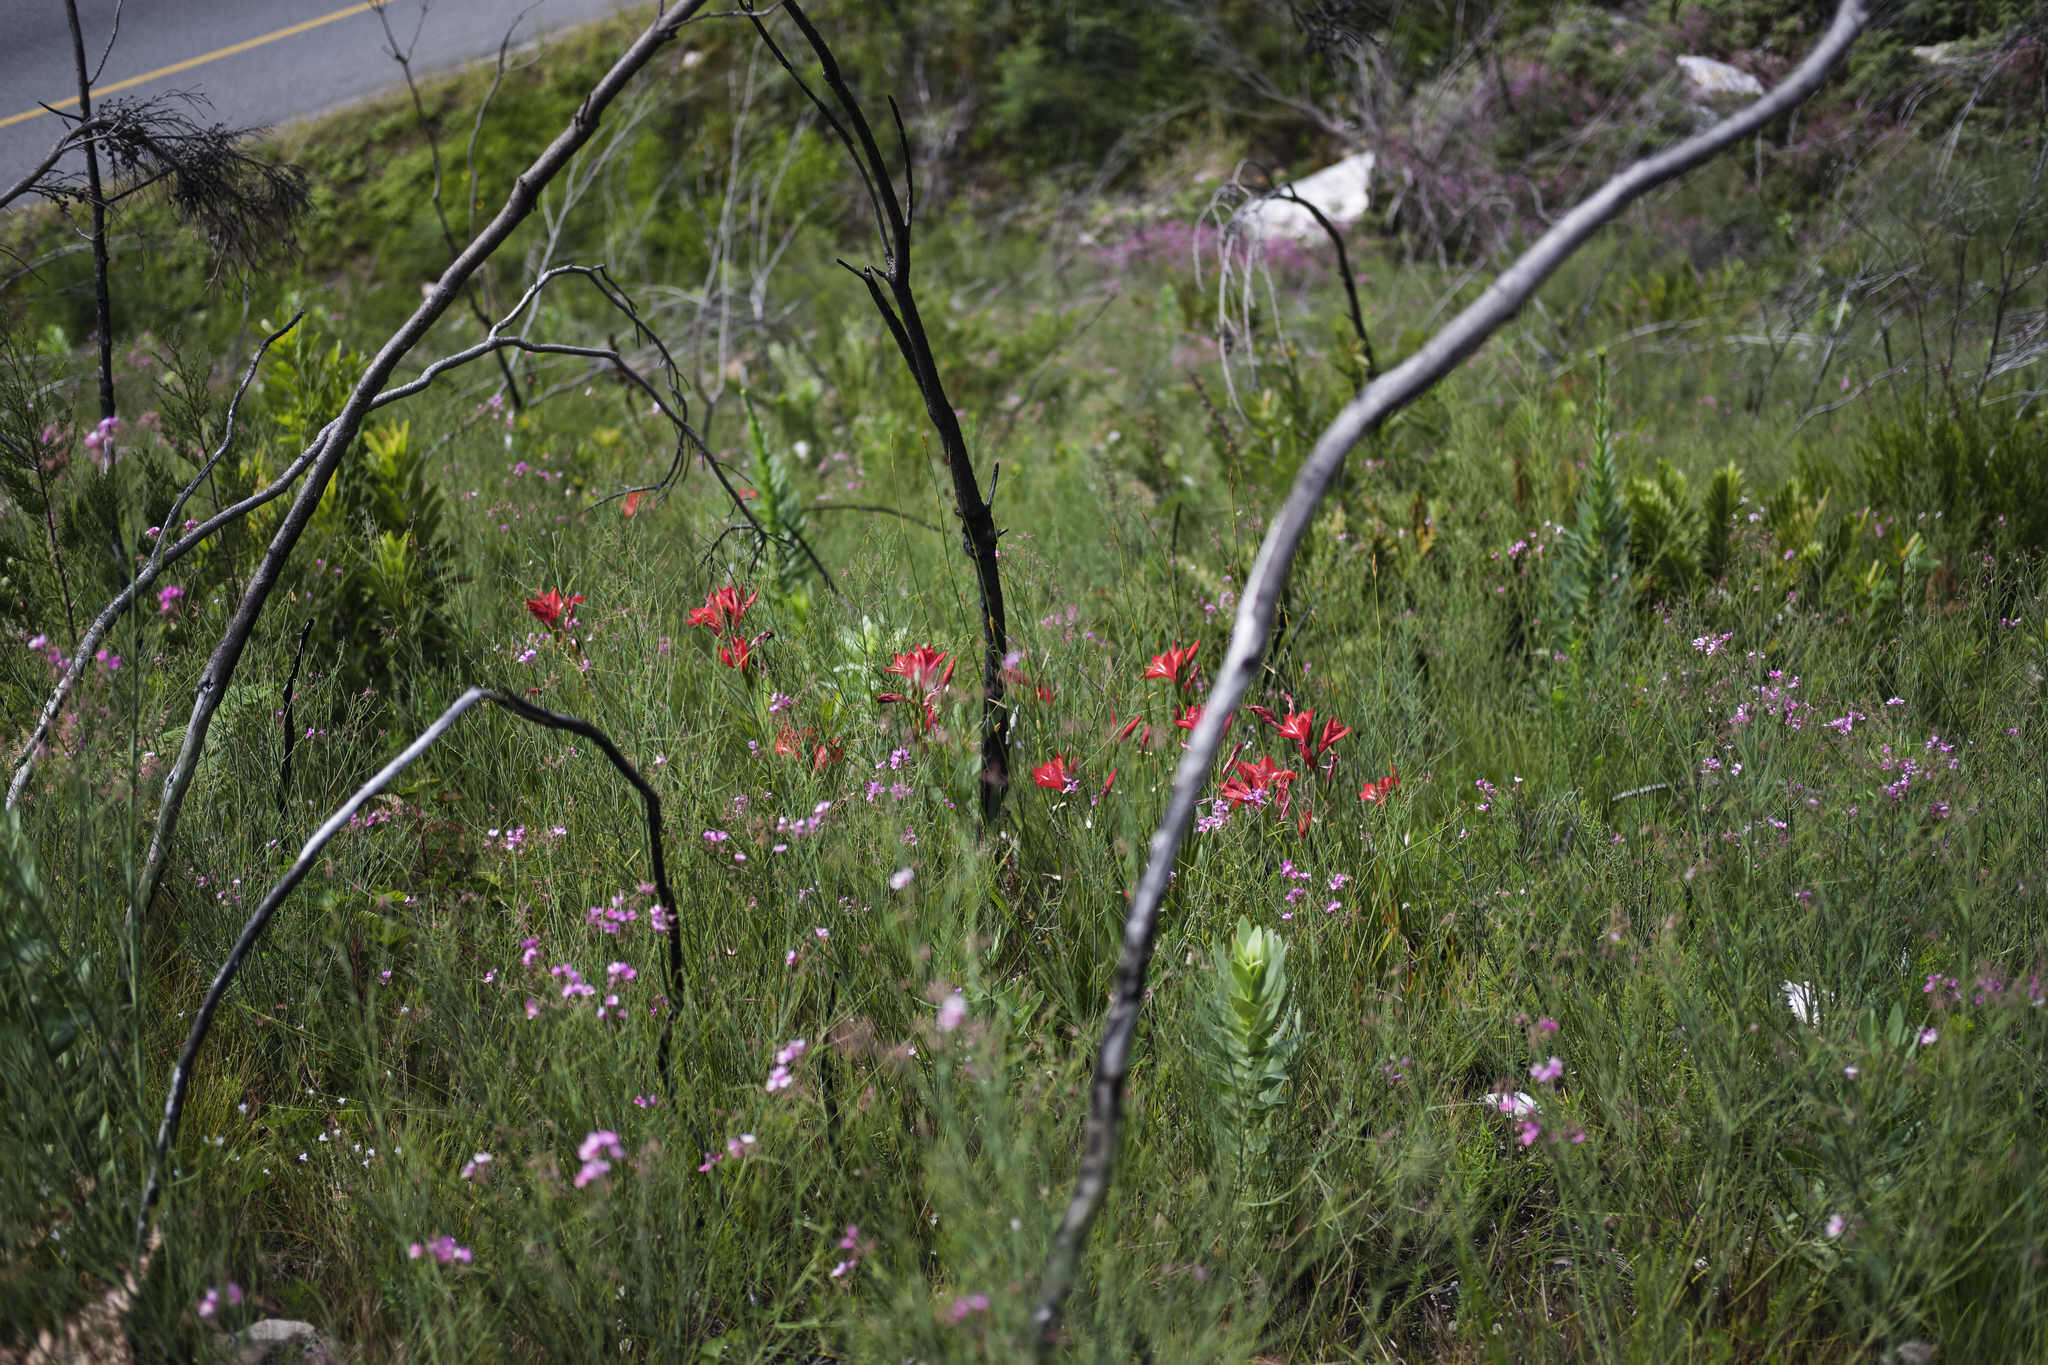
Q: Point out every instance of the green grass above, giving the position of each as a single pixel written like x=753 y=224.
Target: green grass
x=1615 y=840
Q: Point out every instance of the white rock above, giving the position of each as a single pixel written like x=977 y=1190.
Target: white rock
x=1343 y=192
x=1709 y=79
x=276 y=1341
x=1515 y=1104
x=1802 y=1000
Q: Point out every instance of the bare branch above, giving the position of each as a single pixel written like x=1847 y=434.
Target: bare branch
x=900 y=313
x=188 y=1058
x=334 y=441
x=1359 y=418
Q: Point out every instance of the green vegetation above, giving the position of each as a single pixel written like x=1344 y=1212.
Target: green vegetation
x=1648 y=965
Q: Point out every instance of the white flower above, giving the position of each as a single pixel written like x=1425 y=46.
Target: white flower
x=952 y=1013
x=1516 y=1104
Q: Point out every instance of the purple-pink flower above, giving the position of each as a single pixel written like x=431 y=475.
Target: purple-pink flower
x=592 y=1154
x=443 y=1249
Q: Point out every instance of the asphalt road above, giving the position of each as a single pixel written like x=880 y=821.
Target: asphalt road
x=259 y=63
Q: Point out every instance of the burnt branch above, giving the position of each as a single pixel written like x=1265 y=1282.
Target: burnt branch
x=252 y=931
x=1385 y=396
x=890 y=289
x=334 y=440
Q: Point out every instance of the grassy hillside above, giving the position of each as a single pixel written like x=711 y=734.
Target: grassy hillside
x=1650 y=961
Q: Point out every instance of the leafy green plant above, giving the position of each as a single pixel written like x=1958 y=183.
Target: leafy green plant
x=1593 y=580
x=1983 y=471
x=1675 y=542
x=780 y=510
x=1249 y=1031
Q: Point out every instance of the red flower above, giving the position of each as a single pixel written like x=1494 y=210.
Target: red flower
x=931 y=713
x=1045 y=694
x=733 y=654
x=631 y=504
x=922 y=668
x=722 y=609
x=1255 y=780
x=790 y=741
x=1376 y=792
x=1053 y=773
x=1173 y=664
x=1297 y=727
x=1130 y=727
x=1109 y=781
x=1333 y=730
x=552 y=607
x=825 y=754
x=1301 y=825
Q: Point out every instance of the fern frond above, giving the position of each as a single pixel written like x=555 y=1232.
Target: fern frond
x=780 y=511
x=1717 y=517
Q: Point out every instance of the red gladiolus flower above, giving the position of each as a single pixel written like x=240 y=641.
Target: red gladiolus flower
x=722 y=609
x=1109 y=781
x=1301 y=825
x=926 y=669
x=630 y=505
x=1130 y=727
x=791 y=741
x=1173 y=664
x=825 y=754
x=1333 y=730
x=1376 y=792
x=551 y=608
x=733 y=654
x=1264 y=773
x=1045 y=694
x=1188 y=719
x=1255 y=780
x=1053 y=773
x=1298 y=727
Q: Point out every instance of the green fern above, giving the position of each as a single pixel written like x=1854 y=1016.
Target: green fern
x=1664 y=532
x=1717 y=520
x=780 y=510
x=1248 y=1032
x=1593 y=582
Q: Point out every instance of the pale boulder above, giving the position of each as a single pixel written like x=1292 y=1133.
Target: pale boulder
x=1343 y=192
x=1707 y=79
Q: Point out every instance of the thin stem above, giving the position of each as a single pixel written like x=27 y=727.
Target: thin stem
x=103 y=304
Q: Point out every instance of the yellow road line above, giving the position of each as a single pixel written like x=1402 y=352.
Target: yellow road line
x=175 y=67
